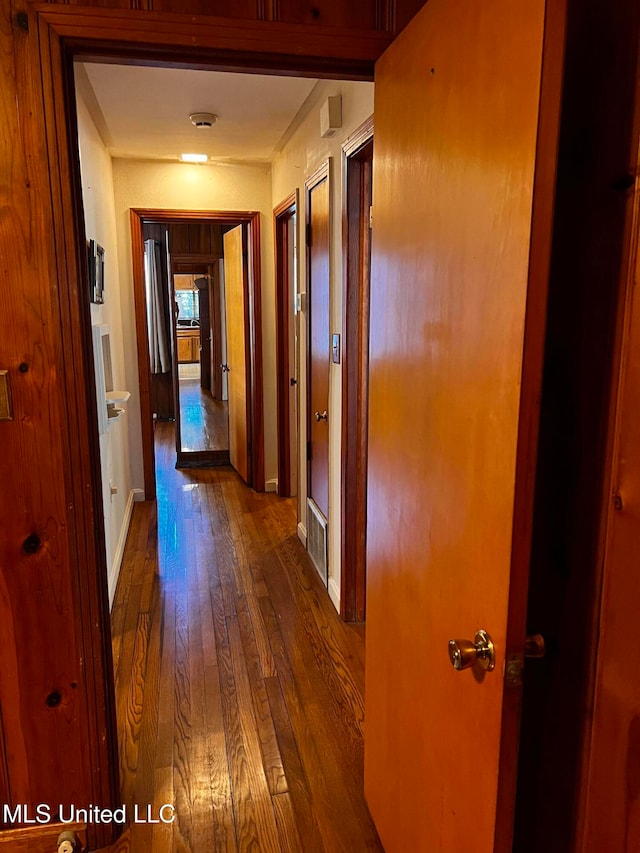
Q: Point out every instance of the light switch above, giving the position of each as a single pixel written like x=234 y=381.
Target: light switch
x=335 y=349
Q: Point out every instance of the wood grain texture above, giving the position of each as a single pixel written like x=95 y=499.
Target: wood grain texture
x=612 y=799
x=318 y=188
x=364 y=16
x=235 y=310
x=453 y=413
x=240 y=692
x=283 y=219
x=53 y=595
x=591 y=268
x=358 y=165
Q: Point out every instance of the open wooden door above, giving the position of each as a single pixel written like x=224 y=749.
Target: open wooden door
x=237 y=362
x=466 y=115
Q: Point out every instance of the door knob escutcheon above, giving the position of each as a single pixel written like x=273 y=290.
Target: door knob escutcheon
x=463 y=654
x=321 y=416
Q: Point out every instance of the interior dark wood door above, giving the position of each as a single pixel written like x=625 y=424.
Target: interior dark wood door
x=355 y=378
x=611 y=811
x=205 y=332
x=236 y=316
x=464 y=153
x=318 y=311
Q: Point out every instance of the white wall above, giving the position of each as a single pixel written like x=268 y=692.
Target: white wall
x=304 y=152
x=100 y=225
x=180 y=186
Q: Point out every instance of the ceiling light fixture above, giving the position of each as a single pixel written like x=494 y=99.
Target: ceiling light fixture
x=203 y=119
x=194 y=158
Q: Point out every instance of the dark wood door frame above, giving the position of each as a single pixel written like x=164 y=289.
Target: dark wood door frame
x=251 y=221
x=192 y=265
x=357 y=155
x=281 y=217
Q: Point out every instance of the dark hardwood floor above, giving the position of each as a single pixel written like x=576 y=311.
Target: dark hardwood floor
x=239 y=690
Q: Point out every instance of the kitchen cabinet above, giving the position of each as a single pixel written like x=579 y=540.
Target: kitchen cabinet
x=188 y=345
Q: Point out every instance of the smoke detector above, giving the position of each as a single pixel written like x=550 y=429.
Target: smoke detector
x=203 y=119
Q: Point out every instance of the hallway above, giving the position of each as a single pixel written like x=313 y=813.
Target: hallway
x=239 y=690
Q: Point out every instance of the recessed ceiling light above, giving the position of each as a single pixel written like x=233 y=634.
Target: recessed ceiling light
x=194 y=158
x=203 y=119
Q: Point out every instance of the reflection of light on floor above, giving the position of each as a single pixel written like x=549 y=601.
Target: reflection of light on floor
x=190 y=487
x=204 y=422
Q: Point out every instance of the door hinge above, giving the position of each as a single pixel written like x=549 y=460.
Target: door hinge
x=308 y=451
x=308 y=235
x=370 y=216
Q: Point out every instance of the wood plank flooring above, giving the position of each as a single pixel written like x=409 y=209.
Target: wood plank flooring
x=239 y=690
x=204 y=422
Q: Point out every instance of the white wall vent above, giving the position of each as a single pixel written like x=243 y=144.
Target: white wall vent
x=317 y=539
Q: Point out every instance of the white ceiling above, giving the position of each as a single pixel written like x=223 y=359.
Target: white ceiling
x=146 y=111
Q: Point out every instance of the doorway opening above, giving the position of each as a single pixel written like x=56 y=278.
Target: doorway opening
x=199 y=341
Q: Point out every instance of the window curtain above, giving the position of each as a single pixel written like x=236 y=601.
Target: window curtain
x=158 y=335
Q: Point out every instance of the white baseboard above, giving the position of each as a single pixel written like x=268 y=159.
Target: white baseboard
x=114 y=571
x=271 y=486
x=334 y=593
x=302 y=533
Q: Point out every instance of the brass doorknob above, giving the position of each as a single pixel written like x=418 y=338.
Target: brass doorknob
x=321 y=416
x=465 y=653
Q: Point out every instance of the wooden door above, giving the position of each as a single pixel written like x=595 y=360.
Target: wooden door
x=236 y=317
x=318 y=336
x=462 y=206
x=285 y=229
x=204 y=349
x=215 y=313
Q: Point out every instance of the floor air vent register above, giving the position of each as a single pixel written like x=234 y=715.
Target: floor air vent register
x=317 y=539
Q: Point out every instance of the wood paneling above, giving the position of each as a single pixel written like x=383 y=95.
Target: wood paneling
x=330 y=13
x=613 y=800
x=365 y=15
x=55 y=685
x=590 y=264
x=196 y=238
x=464 y=153
x=241 y=9
x=240 y=691
x=216 y=43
